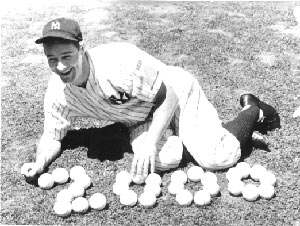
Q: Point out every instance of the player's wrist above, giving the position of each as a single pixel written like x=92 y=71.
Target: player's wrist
x=40 y=166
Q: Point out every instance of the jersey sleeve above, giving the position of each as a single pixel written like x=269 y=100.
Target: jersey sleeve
x=58 y=117
x=146 y=81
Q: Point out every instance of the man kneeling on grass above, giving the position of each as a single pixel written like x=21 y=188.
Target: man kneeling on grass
x=121 y=83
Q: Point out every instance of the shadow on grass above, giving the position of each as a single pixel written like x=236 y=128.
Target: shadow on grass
x=248 y=148
x=107 y=143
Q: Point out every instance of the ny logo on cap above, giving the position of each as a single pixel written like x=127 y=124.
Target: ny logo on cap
x=55 y=25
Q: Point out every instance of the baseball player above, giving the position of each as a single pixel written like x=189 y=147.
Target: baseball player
x=163 y=106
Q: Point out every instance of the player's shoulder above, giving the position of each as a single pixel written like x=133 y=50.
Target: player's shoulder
x=55 y=89
x=55 y=82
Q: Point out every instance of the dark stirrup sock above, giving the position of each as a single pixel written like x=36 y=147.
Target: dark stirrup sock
x=242 y=126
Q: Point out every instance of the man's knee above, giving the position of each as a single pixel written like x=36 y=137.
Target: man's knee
x=225 y=154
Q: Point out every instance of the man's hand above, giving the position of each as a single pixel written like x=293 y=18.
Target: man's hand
x=144 y=155
x=47 y=150
x=31 y=170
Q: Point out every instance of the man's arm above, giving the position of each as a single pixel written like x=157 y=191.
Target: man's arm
x=47 y=151
x=166 y=103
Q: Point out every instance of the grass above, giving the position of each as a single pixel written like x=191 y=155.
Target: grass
x=228 y=46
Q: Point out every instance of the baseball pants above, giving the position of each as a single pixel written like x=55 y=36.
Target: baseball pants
x=196 y=123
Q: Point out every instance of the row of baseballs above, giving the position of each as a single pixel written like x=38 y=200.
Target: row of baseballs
x=152 y=187
x=61 y=176
x=250 y=191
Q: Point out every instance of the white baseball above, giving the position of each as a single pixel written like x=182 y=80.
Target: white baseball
x=138 y=179
x=233 y=174
x=62 y=209
x=120 y=187
x=235 y=187
x=147 y=199
x=243 y=169
x=202 y=198
x=153 y=188
x=212 y=188
x=269 y=178
x=128 y=198
x=153 y=178
x=46 y=181
x=97 y=201
x=208 y=177
x=250 y=192
x=184 y=197
x=76 y=171
x=175 y=187
x=76 y=189
x=179 y=176
x=64 y=195
x=123 y=176
x=194 y=173
x=257 y=171
x=266 y=190
x=80 y=205
x=84 y=180
x=60 y=175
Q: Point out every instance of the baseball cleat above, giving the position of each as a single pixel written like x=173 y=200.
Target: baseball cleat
x=270 y=120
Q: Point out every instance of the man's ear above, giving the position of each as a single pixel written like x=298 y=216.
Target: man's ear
x=81 y=46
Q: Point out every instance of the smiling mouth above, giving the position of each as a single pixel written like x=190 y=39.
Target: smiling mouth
x=65 y=73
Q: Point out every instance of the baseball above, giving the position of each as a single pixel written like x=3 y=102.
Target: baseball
x=244 y=169
x=268 y=177
x=97 y=201
x=119 y=188
x=202 y=198
x=175 y=187
x=76 y=171
x=138 y=179
x=80 y=205
x=153 y=188
x=266 y=190
x=123 y=176
x=153 y=178
x=256 y=171
x=194 y=173
x=179 y=176
x=76 y=189
x=250 y=192
x=212 y=188
x=235 y=187
x=184 y=197
x=208 y=178
x=233 y=174
x=46 y=181
x=64 y=195
x=147 y=199
x=84 y=180
x=128 y=198
x=62 y=209
x=60 y=175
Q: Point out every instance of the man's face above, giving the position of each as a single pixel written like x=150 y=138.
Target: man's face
x=64 y=59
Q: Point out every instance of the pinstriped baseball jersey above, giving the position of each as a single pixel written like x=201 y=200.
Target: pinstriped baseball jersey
x=121 y=87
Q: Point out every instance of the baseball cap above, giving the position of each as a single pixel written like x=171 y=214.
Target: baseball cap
x=61 y=28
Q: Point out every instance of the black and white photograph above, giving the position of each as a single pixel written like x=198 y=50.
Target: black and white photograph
x=150 y=113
